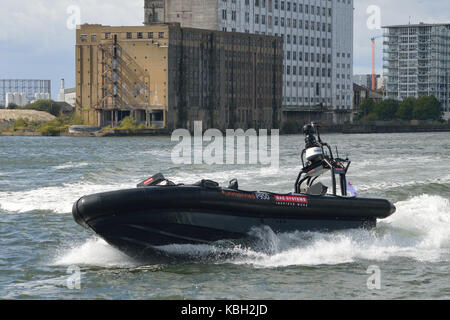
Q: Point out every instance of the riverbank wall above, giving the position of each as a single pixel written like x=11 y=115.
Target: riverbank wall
x=345 y=129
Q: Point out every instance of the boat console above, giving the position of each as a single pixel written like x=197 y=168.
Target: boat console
x=319 y=160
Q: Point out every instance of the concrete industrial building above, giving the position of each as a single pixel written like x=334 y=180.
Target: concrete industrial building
x=417 y=61
x=22 y=91
x=168 y=77
x=318 y=45
x=361 y=93
x=67 y=95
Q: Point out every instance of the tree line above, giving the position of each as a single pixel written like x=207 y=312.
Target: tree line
x=50 y=106
x=422 y=108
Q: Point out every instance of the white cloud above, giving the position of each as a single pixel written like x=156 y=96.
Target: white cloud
x=42 y=25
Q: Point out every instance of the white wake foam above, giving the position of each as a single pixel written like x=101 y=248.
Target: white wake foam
x=70 y=165
x=58 y=199
x=94 y=252
x=419 y=230
x=384 y=185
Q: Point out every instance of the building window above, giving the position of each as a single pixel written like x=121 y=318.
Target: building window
x=161 y=35
x=224 y=14
x=150 y=35
x=94 y=38
x=83 y=38
x=129 y=35
x=139 y=35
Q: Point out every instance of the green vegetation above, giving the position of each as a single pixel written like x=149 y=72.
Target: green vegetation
x=50 y=128
x=130 y=124
x=54 y=127
x=74 y=119
x=49 y=106
x=20 y=124
x=62 y=123
x=13 y=106
x=406 y=108
x=422 y=108
x=427 y=108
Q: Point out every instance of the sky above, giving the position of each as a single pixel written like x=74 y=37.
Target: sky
x=37 y=37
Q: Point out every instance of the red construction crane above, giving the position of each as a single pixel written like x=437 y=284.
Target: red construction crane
x=373 y=61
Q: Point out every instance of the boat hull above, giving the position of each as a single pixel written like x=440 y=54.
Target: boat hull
x=138 y=221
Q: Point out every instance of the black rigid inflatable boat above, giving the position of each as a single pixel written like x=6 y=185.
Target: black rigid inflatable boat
x=158 y=212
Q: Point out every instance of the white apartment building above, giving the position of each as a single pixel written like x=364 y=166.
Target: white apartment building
x=318 y=43
x=417 y=61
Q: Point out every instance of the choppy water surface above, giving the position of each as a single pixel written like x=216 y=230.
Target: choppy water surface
x=40 y=178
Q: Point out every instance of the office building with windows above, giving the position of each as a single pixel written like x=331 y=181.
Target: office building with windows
x=318 y=45
x=27 y=90
x=417 y=61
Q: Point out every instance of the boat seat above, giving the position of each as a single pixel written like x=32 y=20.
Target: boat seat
x=234 y=185
x=207 y=184
x=317 y=190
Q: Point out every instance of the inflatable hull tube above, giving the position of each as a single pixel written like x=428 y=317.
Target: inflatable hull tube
x=137 y=220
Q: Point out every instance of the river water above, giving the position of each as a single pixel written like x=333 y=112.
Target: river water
x=43 y=252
